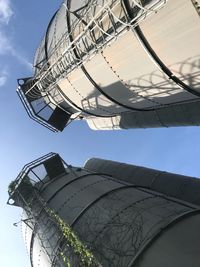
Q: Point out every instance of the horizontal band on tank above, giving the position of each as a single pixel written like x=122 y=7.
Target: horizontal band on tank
x=31 y=248
x=134 y=174
x=158 y=234
x=140 y=188
x=92 y=80
x=96 y=200
x=81 y=109
x=149 y=50
x=124 y=185
x=158 y=62
x=72 y=181
x=110 y=97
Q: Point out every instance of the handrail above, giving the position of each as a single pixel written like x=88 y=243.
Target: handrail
x=89 y=38
x=46 y=72
x=27 y=168
x=31 y=113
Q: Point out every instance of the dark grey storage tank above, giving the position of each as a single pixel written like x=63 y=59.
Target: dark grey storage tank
x=117 y=65
x=107 y=214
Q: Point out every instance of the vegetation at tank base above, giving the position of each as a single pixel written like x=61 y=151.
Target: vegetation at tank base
x=20 y=190
x=65 y=260
x=24 y=184
x=11 y=186
x=86 y=257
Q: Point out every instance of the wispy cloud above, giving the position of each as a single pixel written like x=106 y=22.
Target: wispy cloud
x=21 y=59
x=3 y=77
x=6 y=46
x=4 y=43
x=6 y=11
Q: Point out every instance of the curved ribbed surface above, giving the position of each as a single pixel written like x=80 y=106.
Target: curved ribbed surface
x=124 y=215
x=123 y=64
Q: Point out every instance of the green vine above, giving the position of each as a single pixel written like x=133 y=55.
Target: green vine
x=25 y=184
x=11 y=186
x=87 y=258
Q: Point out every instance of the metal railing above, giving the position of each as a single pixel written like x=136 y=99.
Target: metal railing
x=95 y=26
x=41 y=107
x=31 y=112
x=89 y=37
x=30 y=168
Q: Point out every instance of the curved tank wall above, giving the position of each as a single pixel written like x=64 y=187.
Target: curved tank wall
x=118 y=221
x=173 y=247
x=118 y=64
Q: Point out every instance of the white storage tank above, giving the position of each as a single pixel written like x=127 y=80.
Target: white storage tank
x=117 y=64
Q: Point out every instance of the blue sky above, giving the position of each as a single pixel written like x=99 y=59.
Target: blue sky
x=22 y=24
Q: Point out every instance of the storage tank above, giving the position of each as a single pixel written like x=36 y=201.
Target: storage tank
x=107 y=214
x=117 y=65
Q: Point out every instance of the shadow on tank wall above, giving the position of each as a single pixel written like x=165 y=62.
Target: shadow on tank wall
x=153 y=99
x=154 y=89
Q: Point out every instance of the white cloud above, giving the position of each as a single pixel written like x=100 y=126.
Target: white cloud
x=5 y=15
x=21 y=59
x=3 y=78
x=6 y=47
x=5 y=11
x=6 y=44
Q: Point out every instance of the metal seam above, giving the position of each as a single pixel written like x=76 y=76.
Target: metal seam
x=152 y=54
x=126 y=85
x=79 y=108
x=96 y=200
x=161 y=230
x=91 y=79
